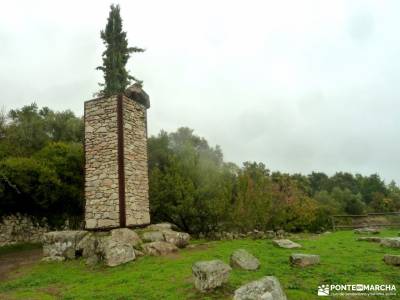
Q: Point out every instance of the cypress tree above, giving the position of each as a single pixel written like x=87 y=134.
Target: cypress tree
x=116 y=55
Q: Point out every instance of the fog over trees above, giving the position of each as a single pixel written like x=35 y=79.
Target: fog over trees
x=191 y=185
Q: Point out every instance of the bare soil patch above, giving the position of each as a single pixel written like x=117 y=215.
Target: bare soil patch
x=12 y=264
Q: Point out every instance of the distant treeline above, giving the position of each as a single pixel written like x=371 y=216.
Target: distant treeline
x=41 y=174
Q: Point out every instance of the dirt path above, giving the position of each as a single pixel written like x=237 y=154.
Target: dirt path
x=13 y=262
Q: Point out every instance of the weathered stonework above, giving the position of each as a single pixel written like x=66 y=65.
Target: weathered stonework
x=18 y=228
x=115 y=150
x=136 y=163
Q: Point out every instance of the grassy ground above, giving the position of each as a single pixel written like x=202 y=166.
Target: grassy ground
x=343 y=261
x=18 y=248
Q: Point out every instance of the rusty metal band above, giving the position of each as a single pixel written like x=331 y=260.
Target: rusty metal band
x=121 y=165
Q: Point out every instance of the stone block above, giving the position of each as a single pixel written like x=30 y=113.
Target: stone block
x=211 y=274
x=244 y=260
x=392 y=259
x=288 y=244
x=391 y=242
x=304 y=260
x=266 y=288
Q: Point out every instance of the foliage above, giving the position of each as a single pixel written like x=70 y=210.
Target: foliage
x=29 y=129
x=116 y=55
x=41 y=173
x=342 y=259
x=41 y=164
x=189 y=184
x=67 y=161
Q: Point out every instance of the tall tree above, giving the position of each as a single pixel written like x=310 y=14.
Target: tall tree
x=116 y=55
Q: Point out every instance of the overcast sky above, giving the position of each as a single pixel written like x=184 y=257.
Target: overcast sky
x=299 y=85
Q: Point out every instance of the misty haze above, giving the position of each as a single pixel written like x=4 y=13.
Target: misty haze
x=239 y=150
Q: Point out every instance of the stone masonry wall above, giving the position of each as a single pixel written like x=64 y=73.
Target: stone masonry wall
x=18 y=228
x=136 y=164
x=101 y=163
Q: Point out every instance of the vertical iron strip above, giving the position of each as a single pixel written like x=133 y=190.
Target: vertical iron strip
x=121 y=165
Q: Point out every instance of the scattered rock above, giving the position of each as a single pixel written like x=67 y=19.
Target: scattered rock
x=266 y=288
x=391 y=242
x=288 y=244
x=127 y=236
x=304 y=260
x=280 y=233
x=153 y=236
x=270 y=234
x=210 y=274
x=62 y=243
x=373 y=239
x=244 y=260
x=392 y=259
x=159 y=248
x=367 y=230
x=179 y=239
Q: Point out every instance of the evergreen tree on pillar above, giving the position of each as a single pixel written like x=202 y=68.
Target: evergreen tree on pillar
x=116 y=55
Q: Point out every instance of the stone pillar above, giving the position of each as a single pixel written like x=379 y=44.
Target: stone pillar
x=116 y=166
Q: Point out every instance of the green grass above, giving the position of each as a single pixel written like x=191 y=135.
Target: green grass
x=343 y=261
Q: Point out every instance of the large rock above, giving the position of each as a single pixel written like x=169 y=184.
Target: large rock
x=304 y=260
x=136 y=92
x=161 y=226
x=57 y=244
x=127 y=236
x=210 y=274
x=288 y=244
x=159 y=248
x=114 y=248
x=391 y=242
x=244 y=260
x=179 y=239
x=115 y=252
x=87 y=246
x=266 y=288
x=153 y=236
x=374 y=239
x=366 y=230
x=392 y=259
